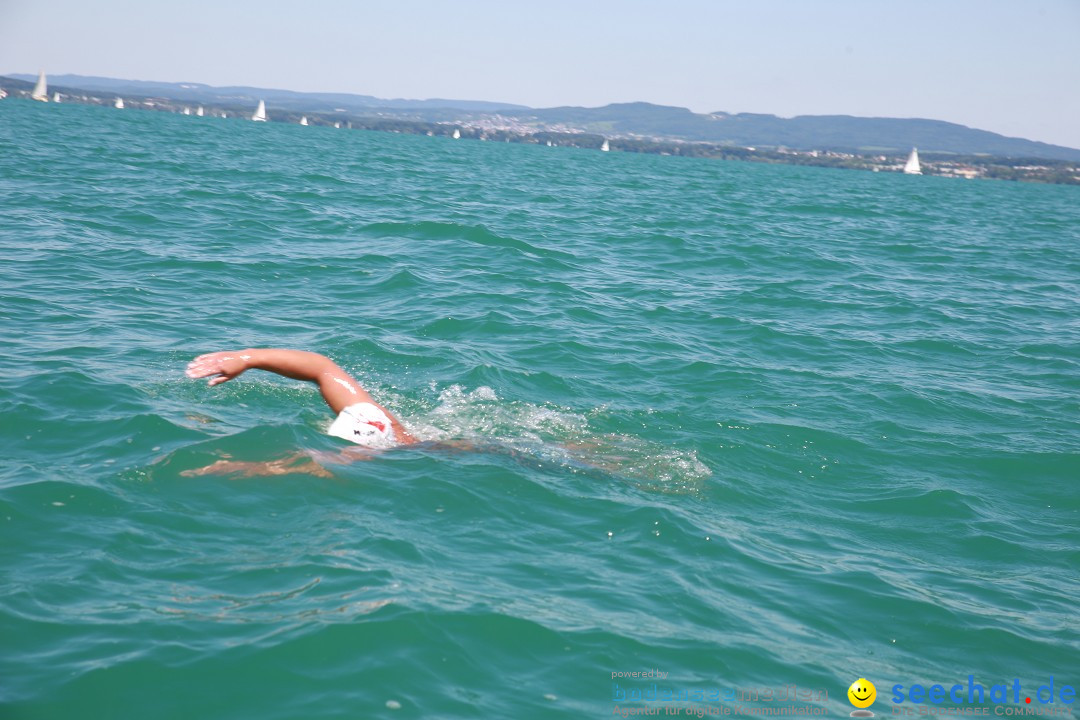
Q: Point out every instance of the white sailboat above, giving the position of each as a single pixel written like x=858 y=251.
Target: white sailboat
x=119 y=104
x=337 y=126
x=41 y=89
x=260 y=113
x=185 y=111
x=605 y=147
x=457 y=134
x=303 y=120
x=56 y=97
x=912 y=167
x=3 y=93
x=199 y=112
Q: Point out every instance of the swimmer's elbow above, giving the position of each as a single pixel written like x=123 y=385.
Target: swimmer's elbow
x=297 y=364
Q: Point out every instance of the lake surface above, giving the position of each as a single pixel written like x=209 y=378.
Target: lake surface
x=751 y=426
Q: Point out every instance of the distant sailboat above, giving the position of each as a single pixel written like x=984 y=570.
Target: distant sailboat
x=41 y=89
x=337 y=126
x=119 y=104
x=457 y=134
x=260 y=113
x=605 y=147
x=186 y=111
x=912 y=167
x=303 y=120
x=199 y=112
x=56 y=97
x=3 y=93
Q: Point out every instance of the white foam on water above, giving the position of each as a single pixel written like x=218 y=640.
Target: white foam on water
x=555 y=435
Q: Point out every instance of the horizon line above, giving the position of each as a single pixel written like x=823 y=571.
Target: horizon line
x=510 y=105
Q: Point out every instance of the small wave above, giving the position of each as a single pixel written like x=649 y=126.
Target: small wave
x=478 y=234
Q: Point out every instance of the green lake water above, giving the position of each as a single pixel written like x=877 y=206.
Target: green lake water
x=752 y=426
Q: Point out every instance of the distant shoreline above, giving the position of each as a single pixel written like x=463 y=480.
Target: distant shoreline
x=1064 y=172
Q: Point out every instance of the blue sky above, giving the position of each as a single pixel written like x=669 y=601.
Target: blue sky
x=1010 y=66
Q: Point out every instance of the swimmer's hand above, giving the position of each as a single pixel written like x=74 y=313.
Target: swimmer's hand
x=219 y=367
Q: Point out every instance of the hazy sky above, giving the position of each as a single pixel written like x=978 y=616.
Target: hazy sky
x=1011 y=66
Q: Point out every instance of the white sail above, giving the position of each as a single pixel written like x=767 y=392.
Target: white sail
x=119 y=104
x=912 y=167
x=186 y=111
x=3 y=93
x=337 y=126
x=303 y=120
x=457 y=134
x=56 y=97
x=605 y=147
x=260 y=113
x=199 y=112
x=41 y=89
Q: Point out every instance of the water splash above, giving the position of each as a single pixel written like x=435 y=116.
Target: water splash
x=552 y=435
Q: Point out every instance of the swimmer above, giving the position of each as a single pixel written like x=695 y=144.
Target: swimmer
x=359 y=420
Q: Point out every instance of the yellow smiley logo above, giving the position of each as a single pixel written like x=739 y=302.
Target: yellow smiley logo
x=862 y=693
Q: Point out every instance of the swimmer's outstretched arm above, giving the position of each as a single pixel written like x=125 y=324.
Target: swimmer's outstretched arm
x=338 y=389
x=294 y=463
